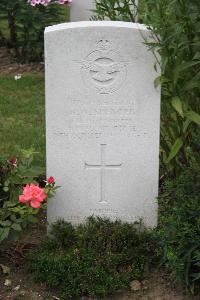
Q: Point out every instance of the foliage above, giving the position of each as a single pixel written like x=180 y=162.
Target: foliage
x=179 y=228
x=14 y=215
x=26 y=26
x=123 y=10
x=97 y=258
x=175 y=26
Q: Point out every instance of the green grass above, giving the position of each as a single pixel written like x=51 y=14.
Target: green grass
x=4 y=25
x=4 y=28
x=22 y=116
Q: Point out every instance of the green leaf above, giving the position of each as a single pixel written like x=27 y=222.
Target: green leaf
x=186 y=65
x=16 y=227
x=14 y=235
x=193 y=116
x=32 y=219
x=193 y=83
x=186 y=125
x=175 y=149
x=197 y=55
x=159 y=80
x=6 y=183
x=13 y=218
x=177 y=105
x=10 y=204
x=6 y=223
x=4 y=232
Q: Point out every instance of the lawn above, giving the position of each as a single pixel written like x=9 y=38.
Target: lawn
x=4 y=28
x=22 y=116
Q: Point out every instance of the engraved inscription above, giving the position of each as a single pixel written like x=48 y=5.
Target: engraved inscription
x=103 y=69
x=73 y=218
x=103 y=167
x=114 y=214
x=104 y=211
x=97 y=120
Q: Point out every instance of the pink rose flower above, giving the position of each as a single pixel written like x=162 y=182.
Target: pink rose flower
x=33 y=195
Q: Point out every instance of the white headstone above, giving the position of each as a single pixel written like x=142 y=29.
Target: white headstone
x=102 y=118
x=81 y=10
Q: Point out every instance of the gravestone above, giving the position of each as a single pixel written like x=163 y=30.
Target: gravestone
x=81 y=10
x=102 y=122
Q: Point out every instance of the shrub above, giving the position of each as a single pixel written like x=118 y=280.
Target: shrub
x=19 y=206
x=97 y=258
x=179 y=229
x=175 y=26
x=26 y=26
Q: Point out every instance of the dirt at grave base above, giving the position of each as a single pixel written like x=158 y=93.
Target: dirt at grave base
x=10 y=66
x=22 y=287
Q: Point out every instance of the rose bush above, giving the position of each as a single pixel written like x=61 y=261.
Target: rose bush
x=22 y=194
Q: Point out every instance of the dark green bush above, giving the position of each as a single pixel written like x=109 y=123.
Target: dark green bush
x=179 y=229
x=26 y=26
x=97 y=258
x=175 y=26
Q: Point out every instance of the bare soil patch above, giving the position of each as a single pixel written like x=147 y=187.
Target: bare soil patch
x=10 y=66
x=23 y=287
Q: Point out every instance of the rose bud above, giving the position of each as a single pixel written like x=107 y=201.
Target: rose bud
x=51 y=180
x=13 y=161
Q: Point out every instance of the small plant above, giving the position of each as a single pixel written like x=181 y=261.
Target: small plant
x=179 y=228
x=20 y=195
x=96 y=258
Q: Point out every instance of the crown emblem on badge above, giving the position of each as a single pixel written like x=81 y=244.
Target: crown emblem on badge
x=103 y=45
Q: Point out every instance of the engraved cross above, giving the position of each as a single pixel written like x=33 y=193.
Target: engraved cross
x=103 y=167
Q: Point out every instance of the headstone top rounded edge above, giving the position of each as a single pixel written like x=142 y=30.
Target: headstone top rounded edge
x=84 y=24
